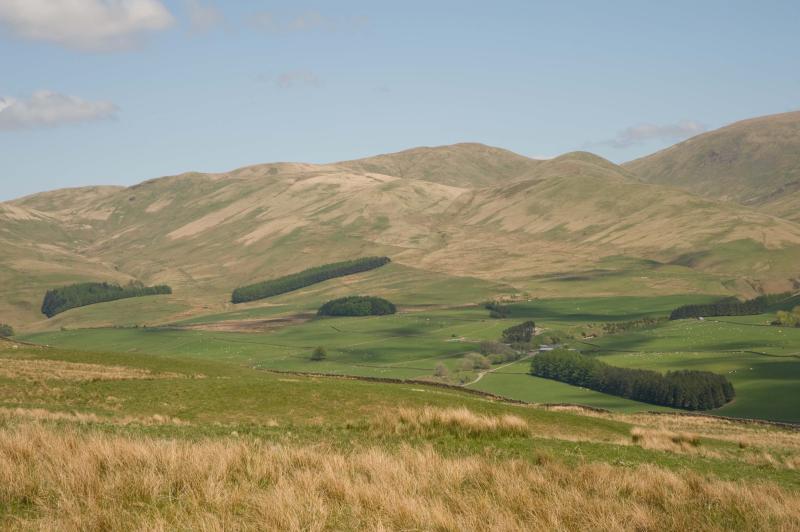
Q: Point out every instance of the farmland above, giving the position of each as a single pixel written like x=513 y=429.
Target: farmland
x=757 y=358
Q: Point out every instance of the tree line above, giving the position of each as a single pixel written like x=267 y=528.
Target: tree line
x=295 y=281
x=79 y=295
x=730 y=306
x=497 y=310
x=357 y=306
x=690 y=390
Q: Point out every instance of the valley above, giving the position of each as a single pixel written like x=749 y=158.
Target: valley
x=216 y=345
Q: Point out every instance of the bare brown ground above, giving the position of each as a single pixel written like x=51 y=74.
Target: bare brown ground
x=250 y=326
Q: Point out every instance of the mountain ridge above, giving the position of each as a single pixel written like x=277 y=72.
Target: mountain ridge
x=521 y=222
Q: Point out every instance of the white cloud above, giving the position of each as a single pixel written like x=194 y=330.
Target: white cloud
x=97 y=25
x=203 y=17
x=297 y=78
x=49 y=109
x=641 y=133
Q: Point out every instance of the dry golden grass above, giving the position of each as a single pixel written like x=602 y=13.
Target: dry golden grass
x=427 y=420
x=741 y=432
x=40 y=414
x=663 y=440
x=38 y=370
x=64 y=479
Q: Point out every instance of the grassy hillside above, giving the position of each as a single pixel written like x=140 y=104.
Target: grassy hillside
x=574 y=225
x=465 y=165
x=754 y=162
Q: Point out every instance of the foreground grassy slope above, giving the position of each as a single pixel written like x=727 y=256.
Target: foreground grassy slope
x=125 y=441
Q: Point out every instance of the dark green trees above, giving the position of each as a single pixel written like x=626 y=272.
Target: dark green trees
x=519 y=334
x=319 y=354
x=357 y=306
x=305 y=278
x=6 y=330
x=690 y=390
x=730 y=306
x=80 y=295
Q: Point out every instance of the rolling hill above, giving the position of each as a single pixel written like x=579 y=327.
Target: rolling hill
x=574 y=224
x=754 y=162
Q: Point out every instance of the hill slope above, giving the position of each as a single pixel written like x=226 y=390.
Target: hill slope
x=461 y=165
x=205 y=234
x=754 y=162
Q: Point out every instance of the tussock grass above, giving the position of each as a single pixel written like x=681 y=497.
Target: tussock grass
x=461 y=421
x=663 y=440
x=40 y=414
x=37 y=370
x=66 y=479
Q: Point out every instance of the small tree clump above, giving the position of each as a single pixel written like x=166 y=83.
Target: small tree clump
x=6 y=330
x=441 y=371
x=475 y=361
x=319 y=354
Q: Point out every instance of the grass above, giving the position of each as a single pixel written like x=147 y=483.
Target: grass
x=759 y=359
x=172 y=441
x=762 y=361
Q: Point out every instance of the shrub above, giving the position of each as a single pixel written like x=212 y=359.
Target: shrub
x=475 y=361
x=319 y=354
x=441 y=371
x=788 y=319
x=80 y=295
x=691 y=390
x=357 y=306
x=295 y=281
x=6 y=330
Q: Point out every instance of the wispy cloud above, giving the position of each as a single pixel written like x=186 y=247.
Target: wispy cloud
x=97 y=25
x=203 y=17
x=49 y=109
x=298 y=78
x=642 y=133
x=307 y=21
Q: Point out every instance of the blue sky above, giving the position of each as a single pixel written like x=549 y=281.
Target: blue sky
x=116 y=92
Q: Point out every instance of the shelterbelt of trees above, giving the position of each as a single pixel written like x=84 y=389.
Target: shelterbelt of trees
x=80 y=295
x=295 y=281
x=690 y=390
x=729 y=306
x=357 y=306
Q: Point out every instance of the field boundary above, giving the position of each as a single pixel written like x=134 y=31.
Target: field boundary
x=500 y=398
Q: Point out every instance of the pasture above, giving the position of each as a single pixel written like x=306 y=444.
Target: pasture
x=759 y=359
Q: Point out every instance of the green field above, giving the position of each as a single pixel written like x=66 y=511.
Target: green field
x=761 y=360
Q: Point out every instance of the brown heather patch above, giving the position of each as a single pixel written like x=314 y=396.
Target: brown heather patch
x=64 y=479
x=38 y=370
x=462 y=421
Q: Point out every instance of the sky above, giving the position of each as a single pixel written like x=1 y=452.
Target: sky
x=119 y=91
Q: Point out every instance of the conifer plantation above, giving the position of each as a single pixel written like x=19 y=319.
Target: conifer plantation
x=685 y=389
x=62 y=299
x=295 y=281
